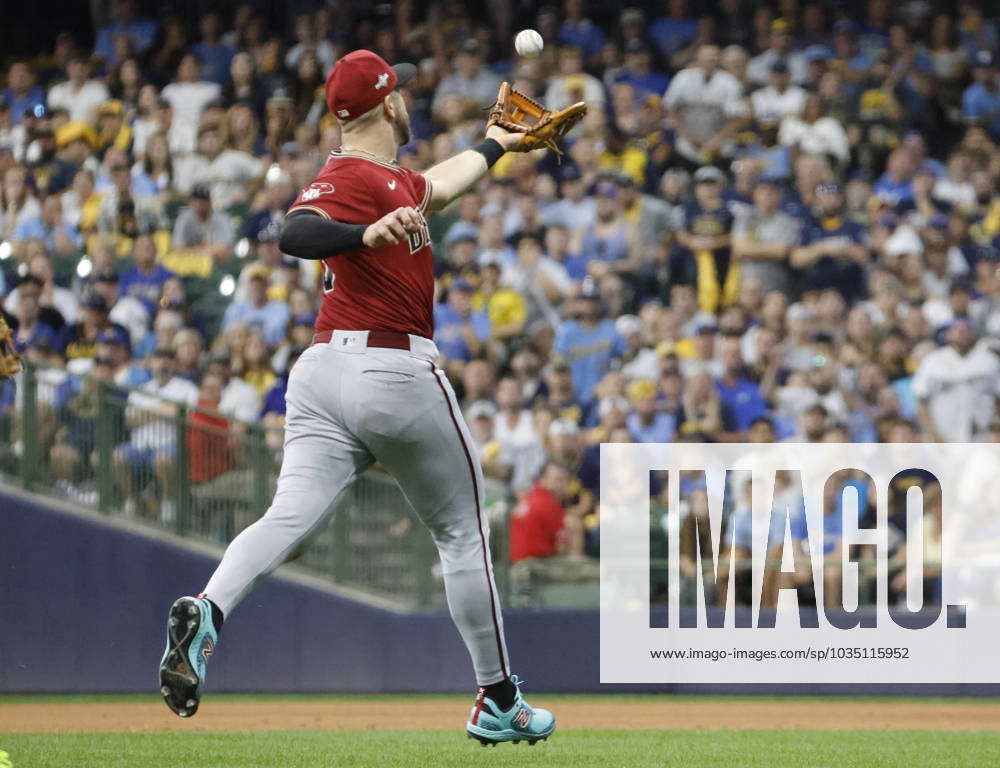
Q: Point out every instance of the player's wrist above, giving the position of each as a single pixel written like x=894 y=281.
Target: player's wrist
x=491 y=149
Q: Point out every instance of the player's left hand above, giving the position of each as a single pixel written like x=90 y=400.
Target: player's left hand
x=509 y=140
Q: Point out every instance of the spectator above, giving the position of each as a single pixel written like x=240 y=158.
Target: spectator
x=152 y=444
x=646 y=423
x=543 y=282
x=588 y=343
x=79 y=94
x=981 y=100
x=140 y=33
x=957 y=386
x=674 y=31
x=206 y=234
x=738 y=394
x=460 y=333
x=214 y=55
x=538 y=524
x=22 y=95
x=124 y=311
x=270 y=317
x=209 y=443
x=239 y=399
x=707 y=239
x=763 y=238
x=572 y=84
x=471 y=82
x=144 y=281
x=832 y=252
x=231 y=174
x=575 y=209
x=29 y=323
x=608 y=244
x=580 y=31
x=51 y=228
x=188 y=96
x=638 y=72
x=814 y=132
x=309 y=41
x=58 y=305
x=779 y=49
x=514 y=431
x=780 y=98
x=706 y=107
x=78 y=341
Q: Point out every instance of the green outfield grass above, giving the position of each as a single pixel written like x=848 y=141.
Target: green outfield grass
x=566 y=749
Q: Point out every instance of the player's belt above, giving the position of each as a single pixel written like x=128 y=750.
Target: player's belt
x=385 y=339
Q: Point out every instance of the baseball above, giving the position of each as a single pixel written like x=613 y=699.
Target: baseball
x=528 y=43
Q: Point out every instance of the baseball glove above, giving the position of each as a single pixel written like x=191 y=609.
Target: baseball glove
x=515 y=112
x=10 y=360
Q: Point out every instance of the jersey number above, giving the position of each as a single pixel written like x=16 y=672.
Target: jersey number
x=328 y=279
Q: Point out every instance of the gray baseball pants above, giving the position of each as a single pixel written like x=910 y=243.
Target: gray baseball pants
x=349 y=405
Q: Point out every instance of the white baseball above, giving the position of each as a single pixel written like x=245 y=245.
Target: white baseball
x=528 y=43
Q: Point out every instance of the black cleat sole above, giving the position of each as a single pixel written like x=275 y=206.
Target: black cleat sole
x=490 y=743
x=179 y=683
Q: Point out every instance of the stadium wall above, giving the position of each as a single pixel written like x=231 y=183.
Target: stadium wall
x=83 y=600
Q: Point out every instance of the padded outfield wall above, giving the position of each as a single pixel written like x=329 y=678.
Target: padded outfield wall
x=83 y=600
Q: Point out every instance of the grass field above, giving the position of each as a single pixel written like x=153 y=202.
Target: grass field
x=568 y=749
x=572 y=746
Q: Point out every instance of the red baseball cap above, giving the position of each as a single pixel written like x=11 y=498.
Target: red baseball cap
x=360 y=81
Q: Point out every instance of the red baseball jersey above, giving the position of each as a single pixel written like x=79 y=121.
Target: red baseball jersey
x=373 y=289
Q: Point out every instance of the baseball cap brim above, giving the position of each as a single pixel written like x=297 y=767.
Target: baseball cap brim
x=404 y=73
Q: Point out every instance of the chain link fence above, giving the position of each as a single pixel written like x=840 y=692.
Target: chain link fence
x=205 y=476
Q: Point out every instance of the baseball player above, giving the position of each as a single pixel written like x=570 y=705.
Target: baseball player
x=368 y=390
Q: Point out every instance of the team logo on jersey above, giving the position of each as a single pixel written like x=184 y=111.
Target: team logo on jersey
x=329 y=278
x=383 y=81
x=421 y=238
x=343 y=113
x=391 y=184
x=316 y=189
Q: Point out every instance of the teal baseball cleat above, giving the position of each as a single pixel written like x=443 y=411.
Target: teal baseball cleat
x=191 y=639
x=491 y=725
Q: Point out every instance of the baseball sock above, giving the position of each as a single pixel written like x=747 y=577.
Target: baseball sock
x=217 y=617
x=502 y=693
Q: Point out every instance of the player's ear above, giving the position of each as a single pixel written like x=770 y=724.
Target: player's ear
x=389 y=108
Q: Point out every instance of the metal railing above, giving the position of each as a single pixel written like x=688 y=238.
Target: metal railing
x=205 y=476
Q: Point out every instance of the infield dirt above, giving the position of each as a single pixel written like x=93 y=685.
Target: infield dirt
x=117 y=716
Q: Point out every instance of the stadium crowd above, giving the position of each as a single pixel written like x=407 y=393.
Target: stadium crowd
x=778 y=221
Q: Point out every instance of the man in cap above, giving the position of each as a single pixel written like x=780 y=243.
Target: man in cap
x=207 y=232
x=832 y=252
x=271 y=317
x=764 y=236
x=779 y=49
x=707 y=236
x=780 y=98
x=368 y=389
x=588 y=342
